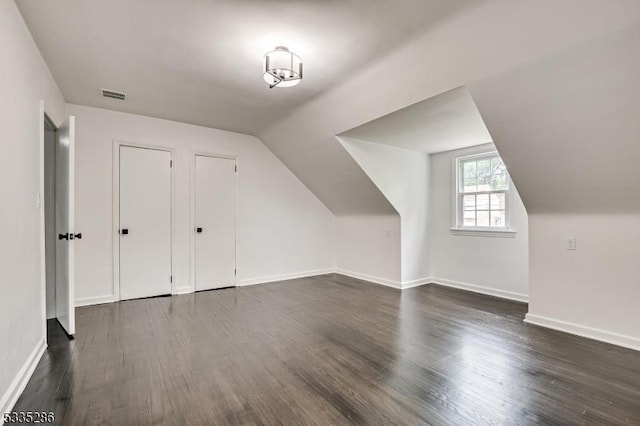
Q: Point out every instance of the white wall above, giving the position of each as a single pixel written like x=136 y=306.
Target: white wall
x=595 y=290
x=493 y=265
x=567 y=127
x=368 y=247
x=402 y=175
x=283 y=229
x=25 y=81
x=421 y=188
x=465 y=47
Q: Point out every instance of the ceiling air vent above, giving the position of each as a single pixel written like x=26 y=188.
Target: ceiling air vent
x=112 y=94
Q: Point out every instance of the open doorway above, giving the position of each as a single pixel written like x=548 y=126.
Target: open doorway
x=50 y=218
x=58 y=220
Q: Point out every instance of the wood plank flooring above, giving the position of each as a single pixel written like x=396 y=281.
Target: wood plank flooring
x=328 y=350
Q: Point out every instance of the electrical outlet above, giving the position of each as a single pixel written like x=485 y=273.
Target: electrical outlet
x=571 y=243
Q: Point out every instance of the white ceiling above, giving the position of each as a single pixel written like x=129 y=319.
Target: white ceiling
x=199 y=61
x=569 y=137
x=444 y=122
x=483 y=40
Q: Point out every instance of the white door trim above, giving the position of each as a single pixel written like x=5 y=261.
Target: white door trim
x=116 y=211
x=40 y=195
x=192 y=219
x=40 y=200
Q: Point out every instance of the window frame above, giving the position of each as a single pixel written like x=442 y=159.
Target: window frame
x=458 y=228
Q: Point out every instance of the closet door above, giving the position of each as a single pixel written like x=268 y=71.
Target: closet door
x=215 y=222
x=145 y=222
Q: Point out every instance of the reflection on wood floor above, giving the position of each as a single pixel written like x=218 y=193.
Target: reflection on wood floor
x=328 y=350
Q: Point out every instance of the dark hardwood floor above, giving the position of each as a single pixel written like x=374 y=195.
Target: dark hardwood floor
x=328 y=350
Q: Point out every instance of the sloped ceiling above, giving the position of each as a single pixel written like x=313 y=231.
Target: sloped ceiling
x=444 y=122
x=475 y=43
x=200 y=61
x=568 y=126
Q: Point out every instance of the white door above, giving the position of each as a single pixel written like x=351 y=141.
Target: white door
x=215 y=222
x=145 y=222
x=65 y=226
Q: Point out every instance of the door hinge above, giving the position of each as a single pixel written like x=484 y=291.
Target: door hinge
x=236 y=168
x=171 y=279
x=170 y=163
x=235 y=272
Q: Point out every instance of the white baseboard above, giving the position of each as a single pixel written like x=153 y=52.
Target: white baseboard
x=416 y=283
x=97 y=300
x=185 y=290
x=283 y=277
x=18 y=384
x=584 y=331
x=371 y=278
x=377 y=280
x=503 y=294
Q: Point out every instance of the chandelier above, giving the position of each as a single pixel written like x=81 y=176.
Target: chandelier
x=282 y=68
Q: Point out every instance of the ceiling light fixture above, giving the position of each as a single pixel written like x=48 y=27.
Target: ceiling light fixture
x=282 y=68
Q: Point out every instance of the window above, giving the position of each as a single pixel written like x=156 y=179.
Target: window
x=482 y=191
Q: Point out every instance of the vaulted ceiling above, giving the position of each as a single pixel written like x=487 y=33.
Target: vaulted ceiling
x=485 y=40
x=200 y=61
x=568 y=126
x=444 y=122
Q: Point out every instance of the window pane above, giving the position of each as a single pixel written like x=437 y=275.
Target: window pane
x=484 y=183
x=469 y=185
x=499 y=182
x=486 y=174
x=483 y=202
x=484 y=167
x=497 y=202
x=469 y=202
x=497 y=166
x=469 y=168
x=483 y=219
x=469 y=218
x=498 y=218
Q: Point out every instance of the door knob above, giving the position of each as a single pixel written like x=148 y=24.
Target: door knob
x=77 y=236
x=199 y=230
x=63 y=236
x=124 y=231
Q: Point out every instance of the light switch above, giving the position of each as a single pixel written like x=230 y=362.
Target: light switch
x=571 y=243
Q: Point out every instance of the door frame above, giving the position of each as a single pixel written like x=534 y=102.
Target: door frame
x=117 y=144
x=42 y=117
x=192 y=219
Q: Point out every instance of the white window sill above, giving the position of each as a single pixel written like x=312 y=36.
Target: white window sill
x=483 y=232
